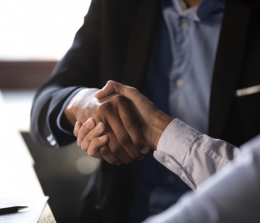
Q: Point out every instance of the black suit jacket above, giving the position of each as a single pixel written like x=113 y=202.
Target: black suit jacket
x=115 y=43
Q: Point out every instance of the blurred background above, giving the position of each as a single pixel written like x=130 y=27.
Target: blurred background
x=35 y=34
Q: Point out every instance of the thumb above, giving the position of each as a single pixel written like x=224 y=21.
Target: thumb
x=111 y=87
x=131 y=93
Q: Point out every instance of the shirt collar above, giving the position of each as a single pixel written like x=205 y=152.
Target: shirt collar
x=206 y=8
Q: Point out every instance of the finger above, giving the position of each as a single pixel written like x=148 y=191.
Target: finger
x=109 y=156
x=95 y=144
x=98 y=156
x=85 y=129
x=114 y=146
x=116 y=149
x=77 y=128
x=132 y=125
x=94 y=133
x=131 y=93
x=122 y=137
x=111 y=87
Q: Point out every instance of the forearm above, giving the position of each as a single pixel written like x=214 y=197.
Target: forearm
x=193 y=156
x=156 y=127
x=231 y=195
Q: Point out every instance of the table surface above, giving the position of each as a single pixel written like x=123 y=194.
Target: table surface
x=16 y=164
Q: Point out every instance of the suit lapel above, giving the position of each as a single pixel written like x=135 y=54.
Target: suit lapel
x=140 y=44
x=228 y=64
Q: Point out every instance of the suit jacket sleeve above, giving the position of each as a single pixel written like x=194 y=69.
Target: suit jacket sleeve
x=79 y=68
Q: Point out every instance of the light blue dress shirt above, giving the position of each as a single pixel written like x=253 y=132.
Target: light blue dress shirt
x=178 y=81
x=194 y=34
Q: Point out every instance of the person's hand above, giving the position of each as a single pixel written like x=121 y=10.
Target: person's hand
x=153 y=120
x=126 y=141
x=93 y=139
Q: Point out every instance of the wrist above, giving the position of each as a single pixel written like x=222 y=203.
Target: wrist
x=159 y=124
x=69 y=115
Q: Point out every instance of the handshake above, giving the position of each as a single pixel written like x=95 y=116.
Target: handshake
x=116 y=123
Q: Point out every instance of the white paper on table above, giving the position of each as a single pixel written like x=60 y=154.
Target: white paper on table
x=28 y=215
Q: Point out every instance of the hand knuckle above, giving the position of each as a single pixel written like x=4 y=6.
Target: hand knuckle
x=128 y=122
x=104 y=152
x=119 y=98
x=116 y=149
x=91 y=152
x=82 y=131
x=139 y=142
x=134 y=90
x=123 y=139
x=110 y=82
x=83 y=147
x=105 y=108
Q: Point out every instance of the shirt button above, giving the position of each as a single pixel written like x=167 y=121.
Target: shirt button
x=180 y=83
x=185 y=25
x=170 y=178
x=167 y=160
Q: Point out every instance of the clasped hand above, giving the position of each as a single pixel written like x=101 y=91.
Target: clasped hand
x=123 y=127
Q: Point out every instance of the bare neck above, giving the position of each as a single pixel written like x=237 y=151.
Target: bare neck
x=193 y=3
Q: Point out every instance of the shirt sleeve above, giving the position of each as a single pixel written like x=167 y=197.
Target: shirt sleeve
x=193 y=156
x=231 y=195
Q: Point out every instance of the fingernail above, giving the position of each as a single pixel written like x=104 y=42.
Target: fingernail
x=99 y=127
x=119 y=163
x=145 y=150
x=77 y=126
x=101 y=138
x=89 y=124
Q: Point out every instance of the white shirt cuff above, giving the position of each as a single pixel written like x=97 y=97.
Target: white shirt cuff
x=193 y=156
